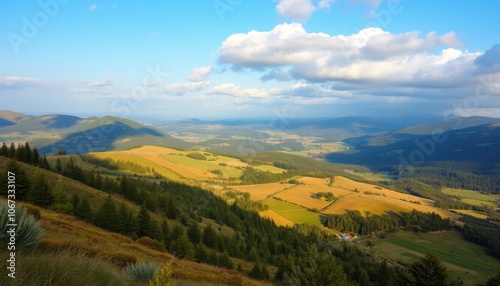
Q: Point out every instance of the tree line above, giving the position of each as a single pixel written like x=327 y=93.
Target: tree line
x=354 y=222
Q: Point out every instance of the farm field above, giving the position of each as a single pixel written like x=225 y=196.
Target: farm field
x=462 y=258
x=473 y=197
x=277 y=218
x=293 y=212
x=473 y=213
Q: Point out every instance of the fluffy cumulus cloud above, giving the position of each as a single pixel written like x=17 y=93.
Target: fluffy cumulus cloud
x=200 y=74
x=295 y=9
x=178 y=89
x=370 y=57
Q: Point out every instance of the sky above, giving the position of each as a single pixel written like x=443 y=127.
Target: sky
x=250 y=58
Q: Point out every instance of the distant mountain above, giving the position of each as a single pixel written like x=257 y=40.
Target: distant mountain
x=53 y=133
x=473 y=149
x=427 y=129
x=12 y=116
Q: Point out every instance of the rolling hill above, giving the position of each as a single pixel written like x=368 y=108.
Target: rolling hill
x=54 y=133
x=472 y=149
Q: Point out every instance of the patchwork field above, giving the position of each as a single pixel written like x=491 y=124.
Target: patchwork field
x=462 y=258
x=176 y=165
x=277 y=218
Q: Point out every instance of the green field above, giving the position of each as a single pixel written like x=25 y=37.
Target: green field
x=293 y=212
x=462 y=258
x=473 y=197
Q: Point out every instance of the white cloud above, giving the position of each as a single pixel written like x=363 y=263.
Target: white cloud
x=371 y=56
x=16 y=82
x=325 y=4
x=200 y=74
x=238 y=91
x=93 y=7
x=183 y=88
x=102 y=83
x=295 y=9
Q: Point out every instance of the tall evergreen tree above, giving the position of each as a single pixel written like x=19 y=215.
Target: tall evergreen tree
x=107 y=216
x=4 y=151
x=22 y=181
x=194 y=233
x=35 y=158
x=209 y=236
x=39 y=193
x=144 y=222
x=12 y=151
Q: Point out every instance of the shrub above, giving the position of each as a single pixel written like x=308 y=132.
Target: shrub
x=152 y=243
x=142 y=271
x=27 y=232
x=163 y=276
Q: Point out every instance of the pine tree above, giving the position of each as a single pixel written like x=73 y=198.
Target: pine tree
x=209 y=236
x=35 y=159
x=22 y=181
x=144 y=221
x=182 y=248
x=107 y=216
x=165 y=231
x=4 y=151
x=83 y=211
x=429 y=271
x=12 y=151
x=194 y=233
x=39 y=193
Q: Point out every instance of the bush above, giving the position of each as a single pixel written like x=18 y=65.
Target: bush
x=152 y=243
x=28 y=231
x=163 y=276
x=142 y=271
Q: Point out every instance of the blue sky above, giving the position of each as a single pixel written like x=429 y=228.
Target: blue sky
x=242 y=58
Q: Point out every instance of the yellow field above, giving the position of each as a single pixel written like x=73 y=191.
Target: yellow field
x=378 y=204
x=277 y=218
x=314 y=181
x=345 y=183
x=260 y=192
x=174 y=164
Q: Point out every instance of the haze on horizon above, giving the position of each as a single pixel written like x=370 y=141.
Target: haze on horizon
x=214 y=59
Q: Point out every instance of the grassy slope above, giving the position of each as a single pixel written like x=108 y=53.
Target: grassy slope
x=462 y=258
x=68 y=233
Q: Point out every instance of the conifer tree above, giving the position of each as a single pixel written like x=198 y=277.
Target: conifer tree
x=194 y=233
x=22 y=181
x=12 y=151
x=107 y=216
x=4 y=151
x=209 y=236
x=144 y=221
x=35 y=158
x=39 y=193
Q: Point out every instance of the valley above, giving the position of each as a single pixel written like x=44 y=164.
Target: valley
x=249 y=193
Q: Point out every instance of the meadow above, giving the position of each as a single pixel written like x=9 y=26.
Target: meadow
x=462 y=258
x=473 y=197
